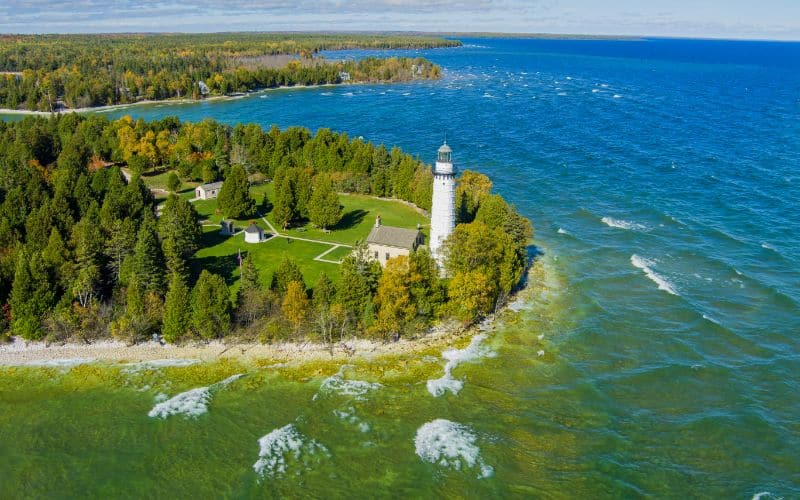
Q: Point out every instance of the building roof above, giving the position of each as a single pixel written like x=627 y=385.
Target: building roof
x=393 y=236
x=252 y=228
x=212 y=185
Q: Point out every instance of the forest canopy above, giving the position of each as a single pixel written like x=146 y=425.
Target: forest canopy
x=46 y=72
x=85 y=254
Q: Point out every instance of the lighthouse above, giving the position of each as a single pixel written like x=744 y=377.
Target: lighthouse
x=443 y=208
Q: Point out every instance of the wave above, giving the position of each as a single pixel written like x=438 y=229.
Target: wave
x=58 y=363
x=623 y=224
x=594 y=91
x=191 y=403
x=645 y=265
x=349 y=415
x=562 y=231
x=450 y=444
x=337 y=384
x=454 y=357
x=281 y=445
x=617 y=96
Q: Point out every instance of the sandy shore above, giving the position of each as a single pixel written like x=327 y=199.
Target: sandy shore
x=20 y=353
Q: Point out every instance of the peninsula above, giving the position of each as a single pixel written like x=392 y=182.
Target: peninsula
x=182 y=232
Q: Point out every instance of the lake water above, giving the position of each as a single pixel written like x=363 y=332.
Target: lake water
x=659 y=355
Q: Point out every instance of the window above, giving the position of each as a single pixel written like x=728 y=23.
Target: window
x=387 y=255
x=376 y=254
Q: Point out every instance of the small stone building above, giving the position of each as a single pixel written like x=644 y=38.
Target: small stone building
x=208 y=191
x=253 y=234
x=386 y=242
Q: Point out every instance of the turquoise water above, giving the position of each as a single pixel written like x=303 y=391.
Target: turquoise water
x=662 y=178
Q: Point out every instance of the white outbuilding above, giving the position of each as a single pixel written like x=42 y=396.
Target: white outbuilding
x=208 y=191
x=253 y=234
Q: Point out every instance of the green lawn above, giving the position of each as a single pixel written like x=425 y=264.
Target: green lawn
x=218 y=253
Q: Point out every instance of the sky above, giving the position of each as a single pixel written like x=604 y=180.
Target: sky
x=753 y=19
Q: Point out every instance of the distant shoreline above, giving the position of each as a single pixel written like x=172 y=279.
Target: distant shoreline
x=174 y=100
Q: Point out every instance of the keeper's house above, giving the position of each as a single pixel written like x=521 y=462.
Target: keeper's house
x=386 y=242
x=208 y=191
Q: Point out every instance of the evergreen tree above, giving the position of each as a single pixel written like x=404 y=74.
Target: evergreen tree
x=119 y=244
x=250 y=278
x=179 y=231
x=148 y=260
x=177 y=317
x=87 y=242
x=324 y=209
x=234 y=198
x=31 y=296
x=284 y=209
x=286 y=272
x=211 y=315
x=324 y=292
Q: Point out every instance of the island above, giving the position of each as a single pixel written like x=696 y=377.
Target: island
x=191 y=232
x=54 y=73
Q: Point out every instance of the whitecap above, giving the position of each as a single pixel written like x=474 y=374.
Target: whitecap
x=617 y=96
x=645 y=265
x=450 y=444
x=191 y=403
x=454 y=357
x=327 y=93
x=348 y=94
x=58 y=363
x=406 y=93
x=349 y=415
x=594 y=91
x=623 y=224
x=562 y=93
x=709 y=318
x=762 y=494
x=767 y=246
x=561 y=230
x=284 y=444
x=337 y=384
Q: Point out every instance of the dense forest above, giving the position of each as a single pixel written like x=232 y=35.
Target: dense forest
x=83 y=254
x=45 y=72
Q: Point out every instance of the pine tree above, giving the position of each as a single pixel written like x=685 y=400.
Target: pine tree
x=148 y=261
x=250 y=279
x=324 y=292
x=87 y=241
x=211 y=316
x=179 y=231
x=234 y=198
x=284 y=210
x=324 y=208
x=176 y=310
x=31 y=296
x=173 y=182
x=286 y=272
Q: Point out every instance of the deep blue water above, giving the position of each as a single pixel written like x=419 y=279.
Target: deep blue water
x=663 y=178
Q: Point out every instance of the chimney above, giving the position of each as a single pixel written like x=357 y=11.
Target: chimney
x=378 y=221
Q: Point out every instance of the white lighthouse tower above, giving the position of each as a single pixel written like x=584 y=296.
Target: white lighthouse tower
x=443 y=208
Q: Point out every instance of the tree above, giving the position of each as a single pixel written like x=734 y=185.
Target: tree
x=393 y=297
x=179 y=231
x=284 y=209
x=173 y=182
x=295 y=304
x=324 y=208
x=211 y=316
x=119 y=244
x=250 y=278
x=234 y=198
x=359 y=279
x=148 y=260
x=177 y=319
x=31 y=296
x=87 y=242
x=286 y=272
x=471 y=295
x=324 y=292
x=471 y=189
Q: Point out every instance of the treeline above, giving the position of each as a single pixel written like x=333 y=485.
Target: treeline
x=82 y=254
x=37 y=71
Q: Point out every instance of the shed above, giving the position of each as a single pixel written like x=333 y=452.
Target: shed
x=208 y=191
x=253 y=234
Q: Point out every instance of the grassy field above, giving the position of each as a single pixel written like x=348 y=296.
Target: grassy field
x=218 y=253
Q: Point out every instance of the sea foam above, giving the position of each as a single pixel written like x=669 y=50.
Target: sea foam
x=191 y=403
x=645 y=265
x=337 y=384
x=451 y=445
x=623 y=224
x=158 y=363
x=280 y=445
x=454 y=357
